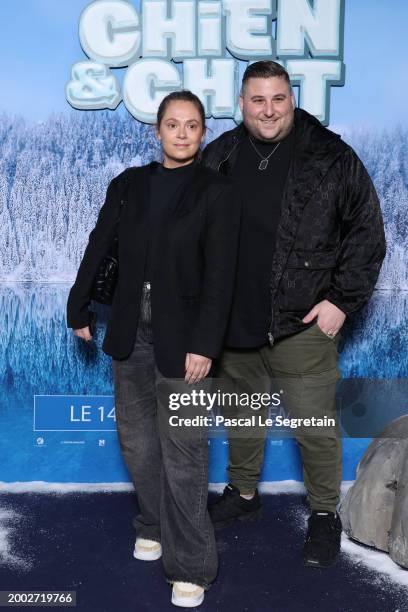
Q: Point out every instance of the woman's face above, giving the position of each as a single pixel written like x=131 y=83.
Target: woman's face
x=181 y=132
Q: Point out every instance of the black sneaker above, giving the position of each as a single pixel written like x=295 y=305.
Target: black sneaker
x=231 y=507
x=323 y=537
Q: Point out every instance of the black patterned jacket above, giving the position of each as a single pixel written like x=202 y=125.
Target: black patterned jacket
x=330 y=239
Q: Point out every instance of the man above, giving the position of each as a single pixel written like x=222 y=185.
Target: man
x=311 y=247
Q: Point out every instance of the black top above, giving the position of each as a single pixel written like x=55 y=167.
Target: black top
x=208 y=209
x=262 y=192
x=164 y=183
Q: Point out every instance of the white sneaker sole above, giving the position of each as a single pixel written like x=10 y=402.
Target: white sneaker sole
x=187 y=602
x=145 y=555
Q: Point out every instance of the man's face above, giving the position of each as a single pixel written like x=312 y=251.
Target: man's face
x=267 y=106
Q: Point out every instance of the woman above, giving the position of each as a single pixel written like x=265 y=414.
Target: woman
x=178 y=233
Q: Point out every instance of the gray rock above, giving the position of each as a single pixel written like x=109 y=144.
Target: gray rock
x=375 y=509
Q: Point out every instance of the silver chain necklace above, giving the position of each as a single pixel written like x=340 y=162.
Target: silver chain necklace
x=263 y=164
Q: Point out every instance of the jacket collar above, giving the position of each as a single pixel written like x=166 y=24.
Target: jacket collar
x=315 y=149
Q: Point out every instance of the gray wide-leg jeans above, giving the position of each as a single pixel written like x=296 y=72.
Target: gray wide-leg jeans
x=169 y=471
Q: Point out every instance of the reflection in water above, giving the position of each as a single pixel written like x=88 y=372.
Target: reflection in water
x=376 y=339
x=40 y=355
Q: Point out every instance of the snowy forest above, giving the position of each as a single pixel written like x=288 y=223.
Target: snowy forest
x=54 y=174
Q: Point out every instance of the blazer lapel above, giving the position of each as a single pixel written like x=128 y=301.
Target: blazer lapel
x=139 y=193
x=137 y=218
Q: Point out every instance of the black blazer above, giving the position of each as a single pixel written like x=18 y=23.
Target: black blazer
x=194 y=270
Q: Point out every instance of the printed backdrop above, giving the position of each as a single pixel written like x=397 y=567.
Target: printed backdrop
x=57 y=410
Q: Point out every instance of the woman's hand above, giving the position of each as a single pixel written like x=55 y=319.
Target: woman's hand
x=197 y=368
x=83 y=333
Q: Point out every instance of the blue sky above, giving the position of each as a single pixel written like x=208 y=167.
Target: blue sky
x=39 y=44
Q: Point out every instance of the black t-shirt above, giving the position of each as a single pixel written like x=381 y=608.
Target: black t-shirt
x=262 y=192
x=164 y=183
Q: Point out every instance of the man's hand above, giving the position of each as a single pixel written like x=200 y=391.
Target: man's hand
x=83 y=333
x=197 y=368
x=330 y=319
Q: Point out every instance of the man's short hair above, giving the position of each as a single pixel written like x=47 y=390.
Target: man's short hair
x=264 y=69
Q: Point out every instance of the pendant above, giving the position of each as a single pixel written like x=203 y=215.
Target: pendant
x=263 y=165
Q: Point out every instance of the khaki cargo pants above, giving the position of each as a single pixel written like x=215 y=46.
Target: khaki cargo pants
x=305 y=367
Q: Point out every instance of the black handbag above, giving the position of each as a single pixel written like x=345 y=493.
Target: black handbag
x=106 y=277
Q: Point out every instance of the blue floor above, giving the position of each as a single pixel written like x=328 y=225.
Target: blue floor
x=84 y=542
